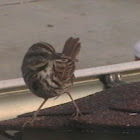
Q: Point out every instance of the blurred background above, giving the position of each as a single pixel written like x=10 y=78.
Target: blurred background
x=108 y=29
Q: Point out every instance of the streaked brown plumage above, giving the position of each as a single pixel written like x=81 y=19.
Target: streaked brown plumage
x=48 y=73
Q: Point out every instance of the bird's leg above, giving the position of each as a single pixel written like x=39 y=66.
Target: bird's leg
x=35 y=114
x=78 y=112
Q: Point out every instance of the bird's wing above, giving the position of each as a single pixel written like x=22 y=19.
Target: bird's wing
x=64 y=69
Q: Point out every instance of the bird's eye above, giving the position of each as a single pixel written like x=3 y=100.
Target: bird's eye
x=43 y=55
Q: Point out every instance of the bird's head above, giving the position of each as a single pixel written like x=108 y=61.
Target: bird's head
x=37 y=56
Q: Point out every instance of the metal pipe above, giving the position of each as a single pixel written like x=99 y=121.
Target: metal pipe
x=116 y=68
x=82 y=73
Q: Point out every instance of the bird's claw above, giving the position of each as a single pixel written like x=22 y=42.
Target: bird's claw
x=77 y=114
x=28 y=122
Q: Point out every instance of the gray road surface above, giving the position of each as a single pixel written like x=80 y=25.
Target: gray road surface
x=108 y=29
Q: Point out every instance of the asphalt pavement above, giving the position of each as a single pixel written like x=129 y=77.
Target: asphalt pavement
x=108 y=30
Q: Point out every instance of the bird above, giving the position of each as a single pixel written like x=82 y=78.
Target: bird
x=48 y=73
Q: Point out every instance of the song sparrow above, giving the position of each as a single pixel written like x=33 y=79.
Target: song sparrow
x=48 y=73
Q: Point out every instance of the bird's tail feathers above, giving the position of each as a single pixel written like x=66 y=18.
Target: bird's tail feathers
x=71 y=48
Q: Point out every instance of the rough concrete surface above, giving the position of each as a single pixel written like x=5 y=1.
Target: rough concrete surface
x=108 y=29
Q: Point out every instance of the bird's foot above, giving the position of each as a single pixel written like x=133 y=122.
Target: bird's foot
x=77 y=114
x=28 y=122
